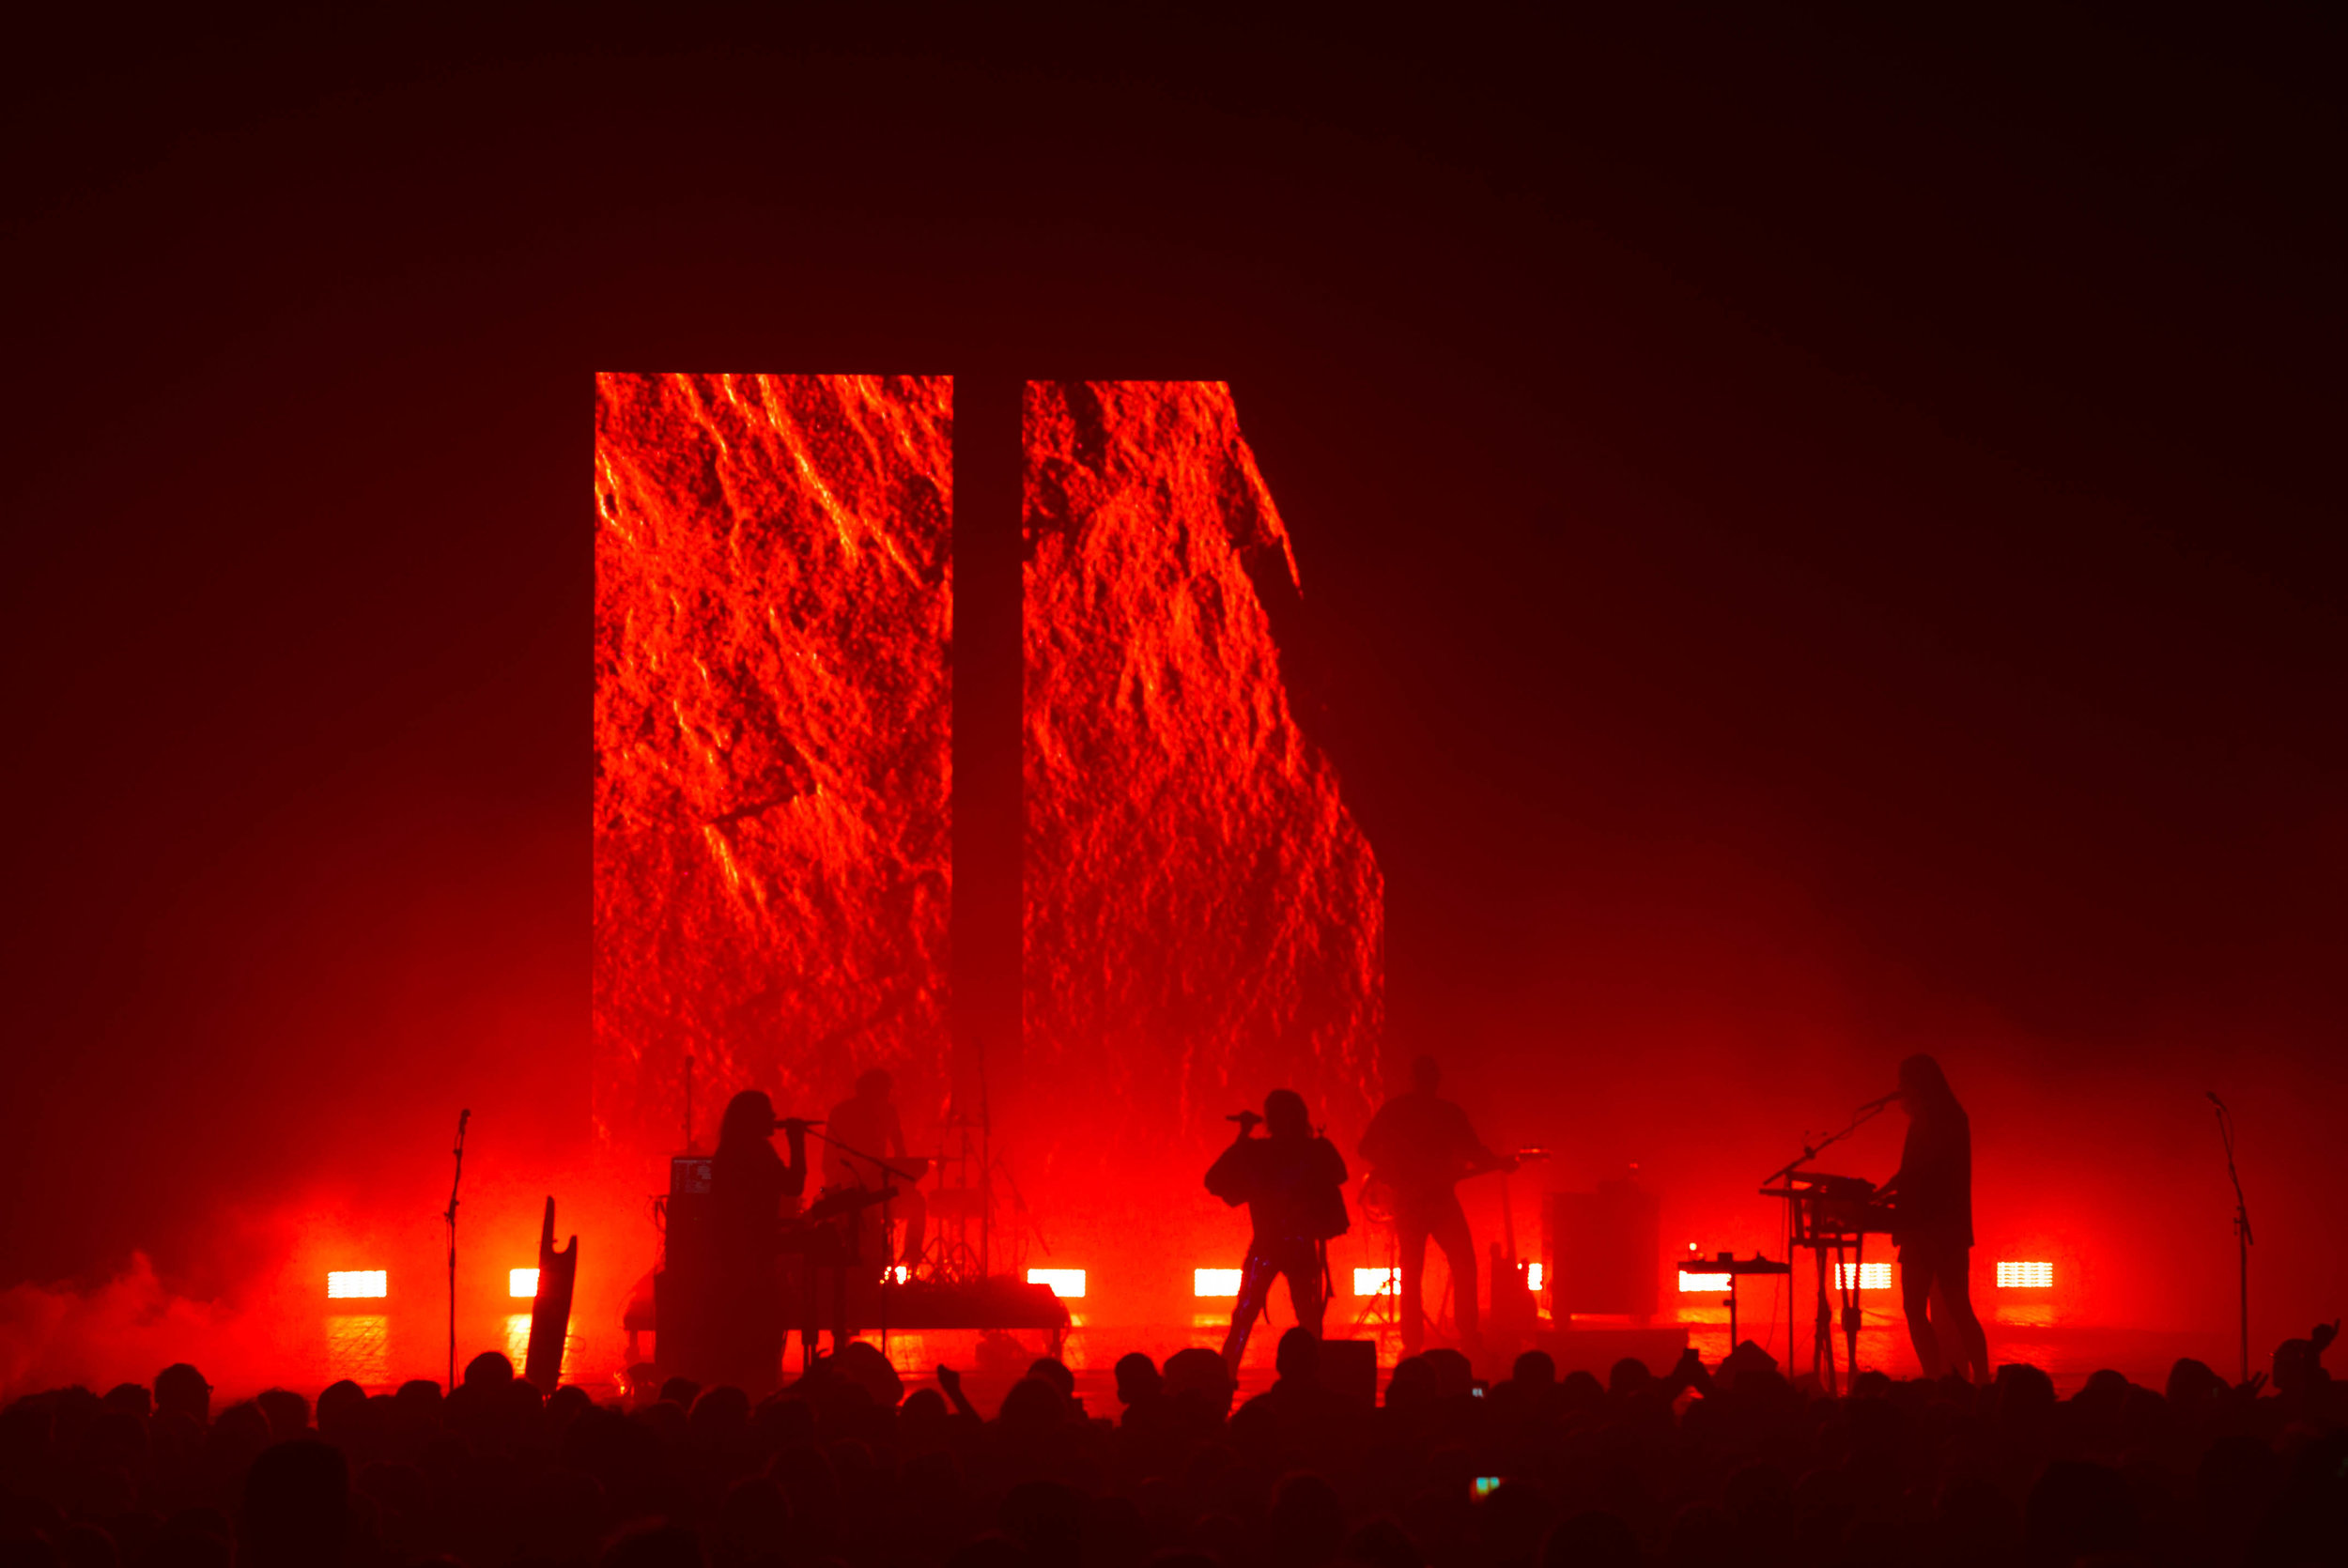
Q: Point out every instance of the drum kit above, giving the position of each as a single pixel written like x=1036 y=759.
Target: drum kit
x=955 y=1247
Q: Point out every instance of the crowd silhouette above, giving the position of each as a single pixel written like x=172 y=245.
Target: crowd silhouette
x=1718 y=1465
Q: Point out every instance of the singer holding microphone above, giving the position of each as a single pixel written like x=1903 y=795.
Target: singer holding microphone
x=749 y=1186
x=1293 y=1184
x=1933 y=1223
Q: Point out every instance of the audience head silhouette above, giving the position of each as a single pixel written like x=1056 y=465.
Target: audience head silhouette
x=844 y=1466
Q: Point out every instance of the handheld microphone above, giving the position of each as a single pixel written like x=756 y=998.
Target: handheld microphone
x=2212 y=1096
x=1880 y=1103
x=1245 y=1118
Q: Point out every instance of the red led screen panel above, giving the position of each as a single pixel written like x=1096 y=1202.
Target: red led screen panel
x=1203 y=918
x=773 y=707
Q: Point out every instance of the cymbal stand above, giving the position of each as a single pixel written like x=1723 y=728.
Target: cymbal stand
x=1027 y=1215
x=454 y=1181
x=2241 y=1227
x=954 y=1258
x=1383 y=1311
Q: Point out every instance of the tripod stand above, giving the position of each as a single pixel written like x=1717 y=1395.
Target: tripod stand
x=1383 y=1308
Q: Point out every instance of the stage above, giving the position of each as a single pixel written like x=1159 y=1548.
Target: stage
x=2068 y=1353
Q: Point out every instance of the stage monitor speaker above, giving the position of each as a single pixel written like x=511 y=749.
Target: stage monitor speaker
x=1601 y=1252
x=1348 y=1368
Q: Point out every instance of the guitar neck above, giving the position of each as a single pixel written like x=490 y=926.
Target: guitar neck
x=1509 y=1223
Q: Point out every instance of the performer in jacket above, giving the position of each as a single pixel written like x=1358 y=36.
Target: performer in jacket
x=1292 y=1182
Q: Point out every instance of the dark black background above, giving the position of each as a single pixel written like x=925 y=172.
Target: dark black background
x=1821 y=535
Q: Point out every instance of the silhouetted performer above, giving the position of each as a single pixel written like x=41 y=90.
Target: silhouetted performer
x=1293 y=1185
x=1932 y=1220
x=1419 y=1145
x=868 y=1121
x=747 y=1186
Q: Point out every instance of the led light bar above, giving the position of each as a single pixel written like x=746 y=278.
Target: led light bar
x=1533 y=1276
x=1872 y=1276
x=1215 y=1282
x=522 y=1283
x=1067 y=1284
x=1695 y=1283
x=2025 y=1276
x=1375 y=1282
x=344 y=1284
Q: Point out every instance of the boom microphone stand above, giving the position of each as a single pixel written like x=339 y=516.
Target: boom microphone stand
x=2241 y=1224
x=888 y=1269
x=462 y=1118
x=1788 y=1173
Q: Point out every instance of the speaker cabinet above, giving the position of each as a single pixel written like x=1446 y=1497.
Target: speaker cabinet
x=1601 y=1252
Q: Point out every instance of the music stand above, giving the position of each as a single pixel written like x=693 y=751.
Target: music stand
x=1726 y=1263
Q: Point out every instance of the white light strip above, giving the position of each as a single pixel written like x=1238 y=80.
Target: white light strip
x=1215 y=1282
x=1067 y=1284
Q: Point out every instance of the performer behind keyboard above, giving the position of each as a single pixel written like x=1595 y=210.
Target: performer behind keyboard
x=868 y=1121
x=1933 y=1222
x=1293 y=1185
x=747 y=1185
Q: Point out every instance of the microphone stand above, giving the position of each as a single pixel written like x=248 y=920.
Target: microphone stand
x=888 y=1269
x=2241 y=1226
x=1812 y=1152
x=454 y=1181
x=1786 y=1172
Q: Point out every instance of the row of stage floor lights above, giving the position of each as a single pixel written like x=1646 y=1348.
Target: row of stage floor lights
x=374 y=1285
x=521 y=1284
x=1877 y=1276
x=1215 y=1283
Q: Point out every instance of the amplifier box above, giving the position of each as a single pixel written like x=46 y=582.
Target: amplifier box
x=1601 y=1252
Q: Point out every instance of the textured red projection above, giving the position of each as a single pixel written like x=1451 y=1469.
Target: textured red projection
x=1204 y=920
x=773 y=702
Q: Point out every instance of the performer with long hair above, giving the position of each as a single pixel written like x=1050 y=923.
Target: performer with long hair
x=1933 y=1223
x=748 y=1187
